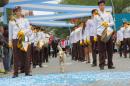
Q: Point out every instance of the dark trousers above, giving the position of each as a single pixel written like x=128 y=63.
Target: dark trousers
x=49 y=48
x=81 y=53
x=45 y=54
x=121 y=49
x=74 y=51
x=21 y=61
x=126 y=46
x=54 y=54
x=6 y=60
x=105 y=51
x=93 y=45
x=37 y=58
x=5 y=63
x=34 y=56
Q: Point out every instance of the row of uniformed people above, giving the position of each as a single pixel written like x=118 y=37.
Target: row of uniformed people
x=75 y=38
x=123 y=39
x=39 y=47
x=92 y=33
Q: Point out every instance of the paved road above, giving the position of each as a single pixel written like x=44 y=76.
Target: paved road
x=121 y=64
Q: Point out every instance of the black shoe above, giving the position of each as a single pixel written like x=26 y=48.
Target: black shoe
x=111 y=67
x=14 y=76
x=28 y=75
x=34 y=66
x=101 y=68
x=93 y=65
x=125 y=57
x=6 y=72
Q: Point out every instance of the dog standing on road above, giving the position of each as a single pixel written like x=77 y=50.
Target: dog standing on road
x=61 y=56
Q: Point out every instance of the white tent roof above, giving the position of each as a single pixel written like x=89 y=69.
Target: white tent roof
x=67 y=12
x=58 y=16
x=58 y=8
x=52 y=23
x=12 y=1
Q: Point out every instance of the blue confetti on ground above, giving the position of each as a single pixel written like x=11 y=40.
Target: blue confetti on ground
x=66 y=79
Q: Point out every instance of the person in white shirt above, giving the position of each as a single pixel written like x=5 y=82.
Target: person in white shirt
x=46 y=48
x=77 y=38
x=104 y=20
x=32 y=39
x=119 y=40
x=126 y=35
x=37 y=59
x=73 y=40
x=20 y=57
x=81 y=46
x=72 y=43
x=67 y=42
x=92 y=31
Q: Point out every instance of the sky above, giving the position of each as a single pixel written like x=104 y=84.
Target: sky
x=45 y=12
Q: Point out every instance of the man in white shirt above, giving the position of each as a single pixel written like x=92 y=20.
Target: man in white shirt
x=104 y=20
x=73 y=40
x=37 y=59
x=72 y=43
x=119 y=40
x=46 y=47
x=126 y=35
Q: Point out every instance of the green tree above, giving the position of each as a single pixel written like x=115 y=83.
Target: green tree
x=61 y=32
x=118 y=4
x=3 y=2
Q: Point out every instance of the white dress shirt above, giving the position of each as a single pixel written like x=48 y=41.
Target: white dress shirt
x=71 y=37
x=14 y=29
x=91 y=27
x=75 y=40
x=32 y=37
x=119 y=35
x=126 y=32
x=86 y=35
x=104 y=17
x=78 y=35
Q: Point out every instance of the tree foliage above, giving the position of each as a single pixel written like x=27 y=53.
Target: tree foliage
x=118 y=4
x=61 y=32
x=3 y=2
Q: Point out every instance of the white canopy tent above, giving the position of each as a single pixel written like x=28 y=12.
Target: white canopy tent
x=52 y=23
x=57 y=8
x=58 y=16
x=66 y=12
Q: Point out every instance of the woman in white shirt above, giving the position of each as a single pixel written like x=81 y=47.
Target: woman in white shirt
x=19 y=57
